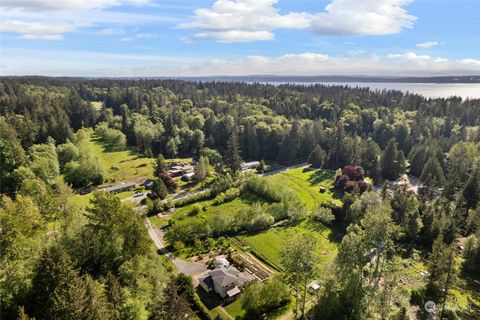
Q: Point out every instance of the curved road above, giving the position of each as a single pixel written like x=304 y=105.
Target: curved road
x=182 y=266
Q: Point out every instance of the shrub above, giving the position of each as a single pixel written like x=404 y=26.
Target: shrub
x=227 y=196
x=323 y=214
x=195 y=210
x=195 y=197
x=178 y=245
x=416 y=297
x=114 y=137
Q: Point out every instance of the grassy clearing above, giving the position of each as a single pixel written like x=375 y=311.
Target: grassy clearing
x=306 y=184
x=269 y=244
x=122 y=165
x=159 y=222
x=242 y=202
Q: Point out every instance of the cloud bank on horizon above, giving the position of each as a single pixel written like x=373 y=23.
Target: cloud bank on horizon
x=238 y=37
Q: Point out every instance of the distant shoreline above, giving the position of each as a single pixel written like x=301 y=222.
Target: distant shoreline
x=292 y=78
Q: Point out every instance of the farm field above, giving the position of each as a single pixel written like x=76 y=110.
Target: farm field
x=306 y=184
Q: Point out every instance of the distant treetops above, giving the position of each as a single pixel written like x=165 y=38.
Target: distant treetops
x=350 y=178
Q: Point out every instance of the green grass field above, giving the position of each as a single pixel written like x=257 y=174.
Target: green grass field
x=244 y=201
x=122 y=165
x=306 y=184
x=269 y=244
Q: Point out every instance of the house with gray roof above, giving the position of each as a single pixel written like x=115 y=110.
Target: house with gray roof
x=225 y=281
x=120 y=187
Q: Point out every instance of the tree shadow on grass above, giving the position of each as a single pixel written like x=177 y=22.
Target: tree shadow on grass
x=336 y=234
x=210 y=300
x=319 y=176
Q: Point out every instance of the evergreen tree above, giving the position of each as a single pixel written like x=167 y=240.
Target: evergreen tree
x=200 y=170
x=471 y=191
x=290 y=144
x=159 y=189
x=432 y=173
x=471 y=254
x=375 y=172
x=232 y=155
x=160 y=165
x=337 y=154
x=317 y=157
x=389 y=161
x=59 y=292
x=400 y=163
x=439 y=265
x=206 y=161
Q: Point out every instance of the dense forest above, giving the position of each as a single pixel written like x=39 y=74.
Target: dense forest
x=59 y=261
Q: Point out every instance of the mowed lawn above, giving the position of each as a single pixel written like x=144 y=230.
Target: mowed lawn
x=269 y=244
x=307 y=183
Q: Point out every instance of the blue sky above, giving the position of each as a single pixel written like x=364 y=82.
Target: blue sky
x=239 y=37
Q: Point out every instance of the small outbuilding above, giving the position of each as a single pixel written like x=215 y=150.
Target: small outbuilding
x=249 y=165
x=314 y=287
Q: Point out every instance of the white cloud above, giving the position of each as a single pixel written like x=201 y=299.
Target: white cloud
x=251 y=20
x=410 y=56
x=126 y=39
x=68 y=5
x=51 y=19
x=428 y=44
x=471 y=62
x=233 y=36
x=347 y=17
x=243 y=20
x=37 y=30
x=51 y=37
x=136 y=36
x=320 y=64
x=110 y=31
x=74 y=63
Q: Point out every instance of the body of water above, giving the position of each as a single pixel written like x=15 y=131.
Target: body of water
x=429 y=90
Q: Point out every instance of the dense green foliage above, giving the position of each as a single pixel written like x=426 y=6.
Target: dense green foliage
x=59 y=261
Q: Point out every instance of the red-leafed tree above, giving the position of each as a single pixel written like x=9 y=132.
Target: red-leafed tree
x=351 y=178
x=169 y=182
